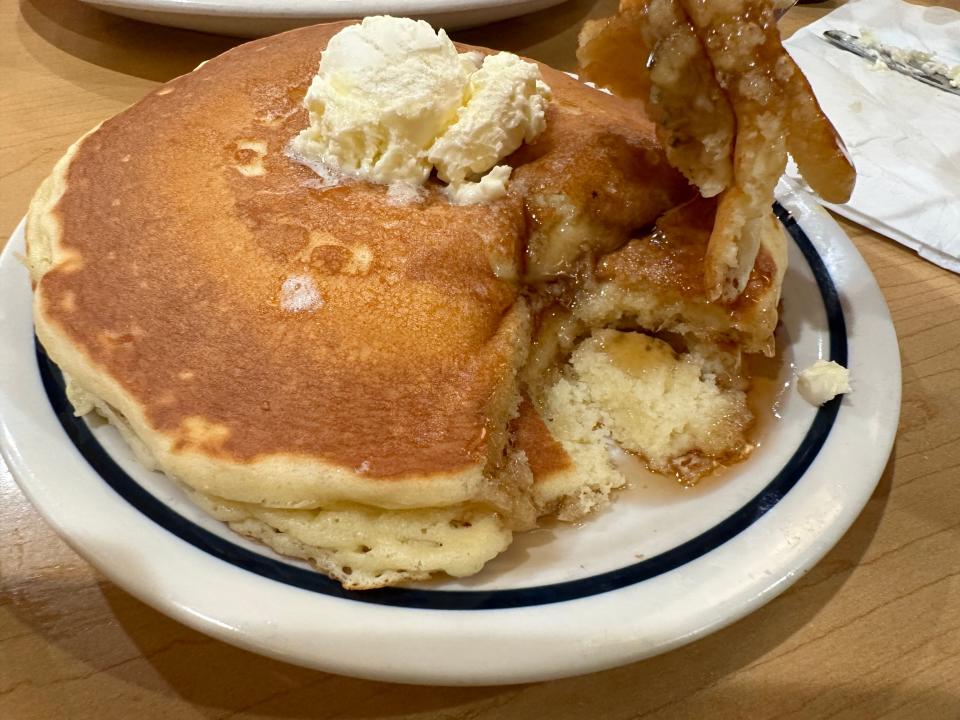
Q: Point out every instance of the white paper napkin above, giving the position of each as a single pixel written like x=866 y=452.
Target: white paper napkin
x=903 y=135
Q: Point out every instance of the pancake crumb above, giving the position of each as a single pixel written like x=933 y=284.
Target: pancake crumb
x=299 y=293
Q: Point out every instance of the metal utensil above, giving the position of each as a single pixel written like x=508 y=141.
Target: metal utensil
x=910 y=67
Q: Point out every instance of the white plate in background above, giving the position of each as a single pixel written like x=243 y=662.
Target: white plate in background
x=257 y=18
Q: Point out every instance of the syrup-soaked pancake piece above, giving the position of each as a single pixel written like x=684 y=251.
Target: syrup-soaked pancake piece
x=612 y=50
x=743 y=43
x=592 y=177
x=657 y=282
x=694 y=119
x=814 y=143
x=773 y=104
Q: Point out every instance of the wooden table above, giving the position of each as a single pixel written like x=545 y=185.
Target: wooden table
x=872 y=631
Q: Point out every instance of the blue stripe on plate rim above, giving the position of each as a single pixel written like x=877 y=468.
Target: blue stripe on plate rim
x=279 y=571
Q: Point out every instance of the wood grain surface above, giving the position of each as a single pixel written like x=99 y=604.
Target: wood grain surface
x=873 y=631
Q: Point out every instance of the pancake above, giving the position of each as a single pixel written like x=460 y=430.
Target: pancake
x=328 y=369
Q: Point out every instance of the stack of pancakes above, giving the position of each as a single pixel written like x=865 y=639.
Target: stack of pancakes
x=387 y=388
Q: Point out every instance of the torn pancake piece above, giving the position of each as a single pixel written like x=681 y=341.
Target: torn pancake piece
x=633 y=391
x=364 y=547
x=576 y=424
x=656 y=282
x=662 y=405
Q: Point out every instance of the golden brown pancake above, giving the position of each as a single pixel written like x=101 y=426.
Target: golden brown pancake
x=309 y=358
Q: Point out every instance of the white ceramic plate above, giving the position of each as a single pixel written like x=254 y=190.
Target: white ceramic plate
x=256 y=18
x=659 y=568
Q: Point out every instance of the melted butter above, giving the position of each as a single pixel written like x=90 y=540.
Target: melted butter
x=635 y=353
x=562 y=235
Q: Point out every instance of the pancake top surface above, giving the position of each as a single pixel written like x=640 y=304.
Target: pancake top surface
x=249 y=311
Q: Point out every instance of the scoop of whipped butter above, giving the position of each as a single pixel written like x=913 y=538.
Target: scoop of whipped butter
x=393 y=99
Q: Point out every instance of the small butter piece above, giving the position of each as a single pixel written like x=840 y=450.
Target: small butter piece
x=823 y=381
x=490 y=187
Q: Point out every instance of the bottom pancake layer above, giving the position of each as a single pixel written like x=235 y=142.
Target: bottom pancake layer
x=364 y=547
x=619 y=390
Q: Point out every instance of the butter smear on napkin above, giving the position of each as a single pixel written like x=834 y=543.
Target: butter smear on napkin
x=901 y=134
